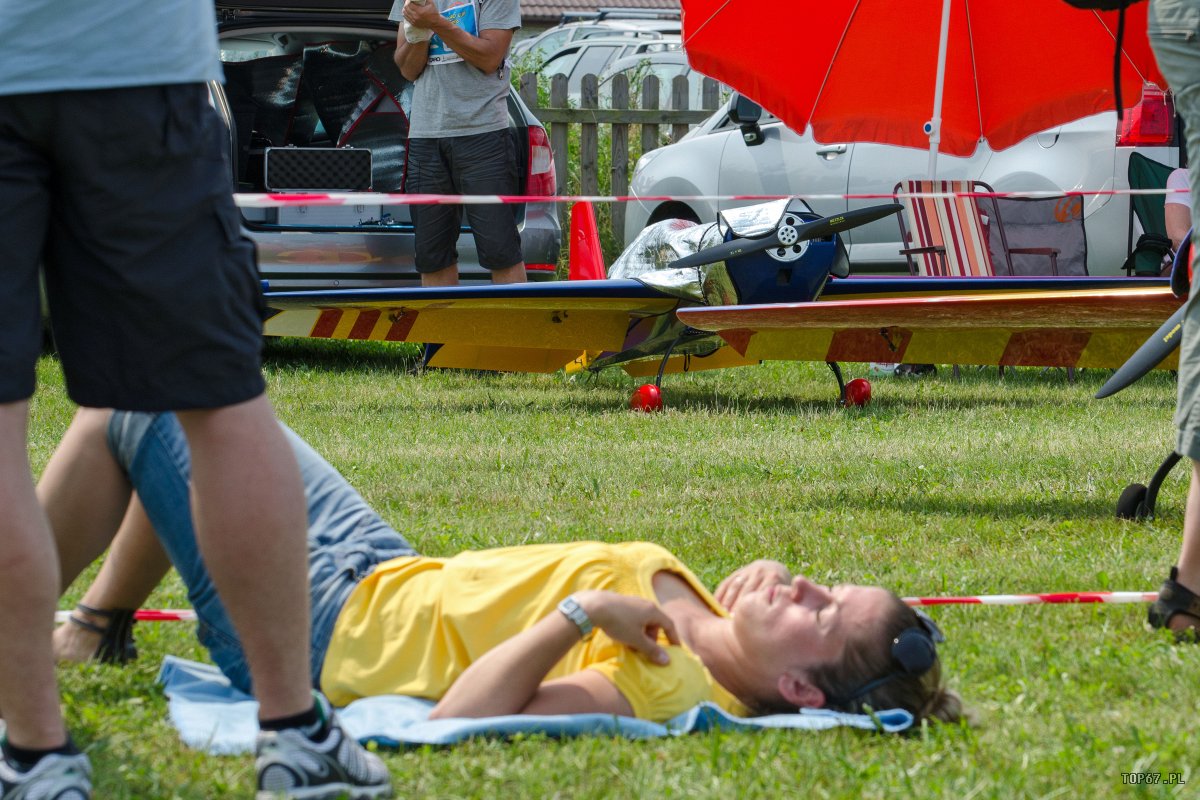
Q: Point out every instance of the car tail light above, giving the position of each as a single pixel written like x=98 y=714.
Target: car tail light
x=542 y=180
x=541 y=267
x=1150 y=123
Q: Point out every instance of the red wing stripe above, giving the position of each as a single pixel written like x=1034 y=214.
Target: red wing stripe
x=364 y=324
x=401 y=326
x=326 y=323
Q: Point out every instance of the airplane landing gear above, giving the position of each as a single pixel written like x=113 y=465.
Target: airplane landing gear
x=1137 y=501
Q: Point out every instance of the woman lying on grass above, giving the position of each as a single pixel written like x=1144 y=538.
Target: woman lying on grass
x=540 y=629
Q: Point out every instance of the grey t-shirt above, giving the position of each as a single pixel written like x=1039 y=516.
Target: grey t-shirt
x=451 y=97
x=56 y=45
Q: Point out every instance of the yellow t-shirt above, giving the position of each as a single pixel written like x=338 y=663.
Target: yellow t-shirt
x=414 y=624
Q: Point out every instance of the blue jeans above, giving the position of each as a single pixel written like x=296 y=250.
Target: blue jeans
x=346 y=538
x=1174 y=28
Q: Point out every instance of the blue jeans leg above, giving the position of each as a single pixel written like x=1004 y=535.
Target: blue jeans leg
x=346 y=538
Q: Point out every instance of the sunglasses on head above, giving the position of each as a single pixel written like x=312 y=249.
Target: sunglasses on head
x=914 y=652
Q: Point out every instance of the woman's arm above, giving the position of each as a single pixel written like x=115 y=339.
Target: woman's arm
x=1178 y=219
x=508 y=679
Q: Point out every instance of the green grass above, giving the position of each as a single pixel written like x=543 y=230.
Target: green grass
x=981 y=485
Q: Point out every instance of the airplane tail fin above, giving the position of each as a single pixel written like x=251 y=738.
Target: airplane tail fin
x=587 y=260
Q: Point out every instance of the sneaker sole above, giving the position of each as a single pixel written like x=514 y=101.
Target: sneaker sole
x=333 y=791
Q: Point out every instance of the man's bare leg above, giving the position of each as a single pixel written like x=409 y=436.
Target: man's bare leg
x=251 y=526
x=1189 y=553
x=513 y=274
x=447 y=276
x=28 y=596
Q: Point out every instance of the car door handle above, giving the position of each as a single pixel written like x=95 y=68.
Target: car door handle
x=828 y=153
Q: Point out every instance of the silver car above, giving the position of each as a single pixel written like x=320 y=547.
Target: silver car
x=592 y=56
x=723 y=156
x=309 y=95
x=634 y=23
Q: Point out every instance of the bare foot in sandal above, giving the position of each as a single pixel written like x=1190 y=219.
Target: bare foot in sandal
x=96 y=634
x=1177 y=609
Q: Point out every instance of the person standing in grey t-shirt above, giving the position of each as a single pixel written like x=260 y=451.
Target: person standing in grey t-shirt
x=455 y=51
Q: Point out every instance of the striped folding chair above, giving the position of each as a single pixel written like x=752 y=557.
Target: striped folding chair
x=947 y=236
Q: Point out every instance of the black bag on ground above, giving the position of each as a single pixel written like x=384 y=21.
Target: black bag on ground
x=1149 y=255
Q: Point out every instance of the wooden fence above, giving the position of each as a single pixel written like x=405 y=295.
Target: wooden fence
x=650 y=120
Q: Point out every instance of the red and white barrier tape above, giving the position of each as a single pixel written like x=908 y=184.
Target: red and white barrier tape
x=283 y=200
x=1055 y=598
x=147 y=615
x=1034 y=599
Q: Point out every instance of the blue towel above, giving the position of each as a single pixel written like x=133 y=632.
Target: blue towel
x=213 y=716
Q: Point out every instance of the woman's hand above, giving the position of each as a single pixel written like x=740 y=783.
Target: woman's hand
x=632 y=621
x=749 y=578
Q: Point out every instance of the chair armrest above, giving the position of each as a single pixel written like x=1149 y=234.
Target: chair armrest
x=938 y=250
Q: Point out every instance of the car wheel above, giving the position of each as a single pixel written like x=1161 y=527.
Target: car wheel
x=673 y=210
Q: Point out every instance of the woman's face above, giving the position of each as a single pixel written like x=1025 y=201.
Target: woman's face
x=800 y=626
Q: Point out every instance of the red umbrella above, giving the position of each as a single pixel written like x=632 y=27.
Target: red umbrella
x=870 y=71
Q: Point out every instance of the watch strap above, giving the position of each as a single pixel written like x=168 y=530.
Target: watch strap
x=571 y=609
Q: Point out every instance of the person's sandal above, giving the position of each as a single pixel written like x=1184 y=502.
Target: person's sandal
x=116 y=638
x=1175 y=598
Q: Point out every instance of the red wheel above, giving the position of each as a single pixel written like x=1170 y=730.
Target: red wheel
x=858 y=392
x=646 y=397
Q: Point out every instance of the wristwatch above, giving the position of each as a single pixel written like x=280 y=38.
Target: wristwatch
x=571 y=609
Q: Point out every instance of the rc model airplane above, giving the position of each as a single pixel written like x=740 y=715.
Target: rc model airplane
x=763 y=282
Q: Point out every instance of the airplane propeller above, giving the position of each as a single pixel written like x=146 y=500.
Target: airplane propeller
x=786 y=236
x=1165 y=339
x=1147 y=357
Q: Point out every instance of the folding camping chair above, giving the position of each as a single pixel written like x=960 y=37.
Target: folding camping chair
x=1146 y=257
x=1040 y=236
x=946 y=236
x=966 y=235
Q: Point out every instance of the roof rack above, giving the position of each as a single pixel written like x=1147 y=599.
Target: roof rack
x=621 y=13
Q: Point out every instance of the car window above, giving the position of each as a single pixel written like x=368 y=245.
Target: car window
x=562 y=62
x=552 y=41
x=617 y=32
x=591 y=60
x=638 y=73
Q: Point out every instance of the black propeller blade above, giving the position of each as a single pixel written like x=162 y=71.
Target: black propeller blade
x=1156 y=348
x=786 y=236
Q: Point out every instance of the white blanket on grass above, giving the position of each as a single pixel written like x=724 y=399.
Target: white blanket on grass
x=213 y=716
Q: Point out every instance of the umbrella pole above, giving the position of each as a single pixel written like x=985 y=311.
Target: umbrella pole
x=934 y=126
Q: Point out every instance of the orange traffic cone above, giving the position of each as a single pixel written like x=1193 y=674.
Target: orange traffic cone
x=587 y=260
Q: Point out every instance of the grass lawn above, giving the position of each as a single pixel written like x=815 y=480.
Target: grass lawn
x=981 y=485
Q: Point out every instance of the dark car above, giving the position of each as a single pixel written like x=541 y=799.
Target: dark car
x=311 y=89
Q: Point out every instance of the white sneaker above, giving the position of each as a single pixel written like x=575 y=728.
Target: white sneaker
x=291 y=765
x=55 y=777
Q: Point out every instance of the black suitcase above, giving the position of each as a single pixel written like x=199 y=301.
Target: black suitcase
x=317 y=169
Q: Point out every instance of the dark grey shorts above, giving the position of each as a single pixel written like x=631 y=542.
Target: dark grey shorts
x=124 y=195
x=485 y=163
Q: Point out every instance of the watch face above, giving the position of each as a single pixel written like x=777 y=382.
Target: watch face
x=574 y=612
